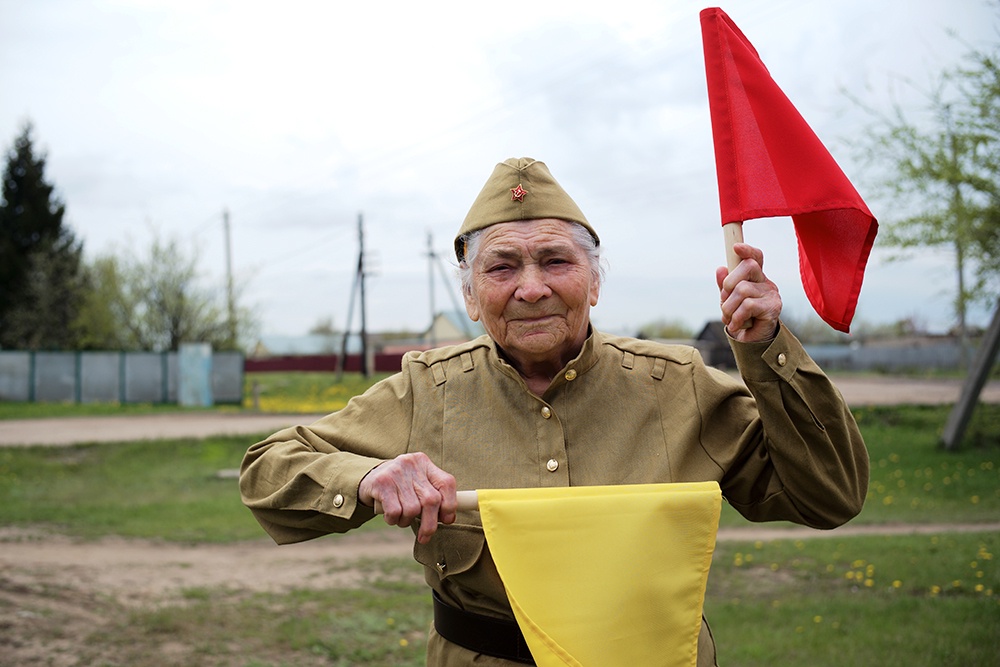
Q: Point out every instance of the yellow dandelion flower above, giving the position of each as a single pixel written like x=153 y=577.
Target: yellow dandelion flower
x=404 y=642
x=817 y=619
x=897 y=584
x=869 y=583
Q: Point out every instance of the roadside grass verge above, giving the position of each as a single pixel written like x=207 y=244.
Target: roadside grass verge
x=170 y=489
x=303 y=392
x=918 y=600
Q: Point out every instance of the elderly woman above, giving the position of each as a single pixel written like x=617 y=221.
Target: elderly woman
x=543 y=399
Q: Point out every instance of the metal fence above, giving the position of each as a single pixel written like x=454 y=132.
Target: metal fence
x=103 y=377
x=939 y=356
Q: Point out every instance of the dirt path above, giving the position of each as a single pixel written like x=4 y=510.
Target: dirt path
x=857 y=390
x=137 y=571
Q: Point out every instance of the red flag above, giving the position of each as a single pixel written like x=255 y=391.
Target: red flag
x=770 y=163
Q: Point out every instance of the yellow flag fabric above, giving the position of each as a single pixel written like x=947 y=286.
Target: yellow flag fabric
x=605 y=575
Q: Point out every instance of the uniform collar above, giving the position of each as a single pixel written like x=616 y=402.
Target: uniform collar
x=571 y=372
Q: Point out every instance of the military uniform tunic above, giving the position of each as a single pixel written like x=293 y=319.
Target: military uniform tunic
x=782 y=445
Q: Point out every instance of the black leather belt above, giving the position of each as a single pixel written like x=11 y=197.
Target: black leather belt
x=482 y=634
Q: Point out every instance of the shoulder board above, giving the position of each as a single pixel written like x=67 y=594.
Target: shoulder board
x=439 y=354
x=678 y=354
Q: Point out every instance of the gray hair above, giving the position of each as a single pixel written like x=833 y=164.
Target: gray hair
x=584 y=239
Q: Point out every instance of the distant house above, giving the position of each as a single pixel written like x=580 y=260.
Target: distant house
x=307 y=345
x=447 y=328
x=452 y=327
x=713 y=342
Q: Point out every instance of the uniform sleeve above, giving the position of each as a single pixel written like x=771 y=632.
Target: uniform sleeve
x=799 y=455
x=302 y=482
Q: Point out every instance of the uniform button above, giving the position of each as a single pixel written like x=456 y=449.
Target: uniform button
x=570 y=375
x=552 y=465
x=441 y=566
x=782 y=359
x=338 y=500
x=546 y=413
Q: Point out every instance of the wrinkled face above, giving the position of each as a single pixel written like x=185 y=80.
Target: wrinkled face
x=532 y=287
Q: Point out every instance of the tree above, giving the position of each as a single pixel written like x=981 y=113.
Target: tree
x=155 y=302
x=40 y=270
x=940 y=167
x=665 y=329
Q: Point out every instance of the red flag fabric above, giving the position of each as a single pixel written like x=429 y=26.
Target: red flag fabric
x=770 y=163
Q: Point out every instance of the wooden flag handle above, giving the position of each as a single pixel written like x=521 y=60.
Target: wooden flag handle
x=467 y=500
x=732 y=232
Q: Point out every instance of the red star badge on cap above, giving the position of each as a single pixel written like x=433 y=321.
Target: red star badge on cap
x=517 y=194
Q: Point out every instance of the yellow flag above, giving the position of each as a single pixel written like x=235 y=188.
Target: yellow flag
x=605 y=575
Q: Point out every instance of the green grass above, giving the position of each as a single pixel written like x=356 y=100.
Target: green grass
x=910 y=600
x=303 y=392
x=170 y=490
x=913 y=479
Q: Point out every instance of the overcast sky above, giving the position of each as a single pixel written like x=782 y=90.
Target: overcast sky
x=299 y=116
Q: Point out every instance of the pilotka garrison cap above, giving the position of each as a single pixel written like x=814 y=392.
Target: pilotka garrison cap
x=519 y=189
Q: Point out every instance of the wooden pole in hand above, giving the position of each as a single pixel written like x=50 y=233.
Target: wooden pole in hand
x=467 y=500
x=733 y=233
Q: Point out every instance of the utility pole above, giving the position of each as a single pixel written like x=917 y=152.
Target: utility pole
x=357 y=289
x=431 y=257
x=231 y=305
x=361 y=282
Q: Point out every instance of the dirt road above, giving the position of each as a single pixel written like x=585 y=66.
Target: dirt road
x=858 y=391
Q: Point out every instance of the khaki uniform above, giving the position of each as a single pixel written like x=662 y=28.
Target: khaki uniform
x=624 y=411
